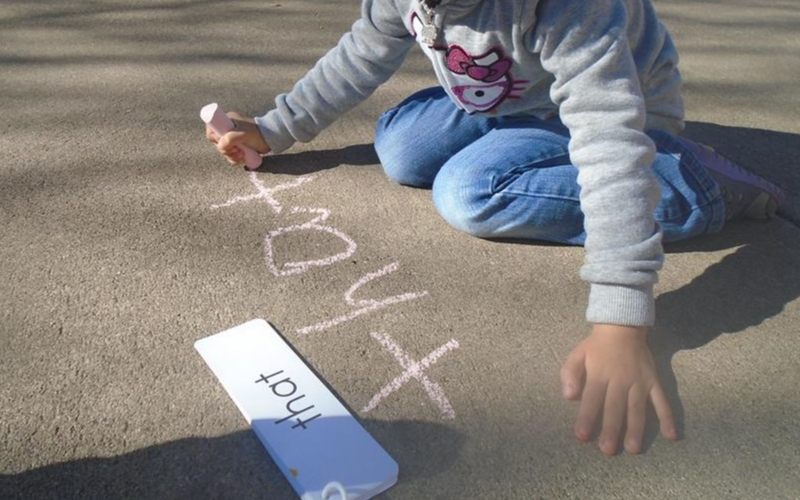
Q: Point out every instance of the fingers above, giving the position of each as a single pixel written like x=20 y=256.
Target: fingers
x=236 y=158
x=663 y=411
x=572 y=374
x=211 y=135
x=613 y=416
x=232 y=153
x=592 y=400
x=228 y=145
x=637 y=414
x=228 y=142
x=214 y=137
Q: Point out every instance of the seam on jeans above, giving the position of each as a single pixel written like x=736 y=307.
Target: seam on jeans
x=669 y=148
x=706 y=189
x=710 y=204
x=683 y=215
x=552 y=196
x=514 y=172
x=717 y=219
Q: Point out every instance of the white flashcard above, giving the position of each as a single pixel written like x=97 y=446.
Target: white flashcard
x=315 y=441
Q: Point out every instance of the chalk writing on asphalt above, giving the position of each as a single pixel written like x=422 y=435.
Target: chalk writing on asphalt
x=364 y=305
x=416 y=370
x=413 y=370
x=290 y=268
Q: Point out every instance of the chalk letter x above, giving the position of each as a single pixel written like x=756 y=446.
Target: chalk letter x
x=265 y=193
x=414 y=370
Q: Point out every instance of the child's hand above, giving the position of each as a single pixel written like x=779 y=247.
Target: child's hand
x=245 y=133
x=612 y=372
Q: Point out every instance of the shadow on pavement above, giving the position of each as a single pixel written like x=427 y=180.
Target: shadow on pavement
x=231 y=466
x=742 y=290
x=746 y=287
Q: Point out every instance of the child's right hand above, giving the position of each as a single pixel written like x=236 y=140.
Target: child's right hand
x=245 y=133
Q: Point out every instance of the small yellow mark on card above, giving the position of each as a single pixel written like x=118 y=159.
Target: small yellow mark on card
x=293 y=472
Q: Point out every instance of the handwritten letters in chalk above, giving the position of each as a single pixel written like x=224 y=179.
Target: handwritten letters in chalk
x=364 y=305
x=416 y=371
x=284 y=387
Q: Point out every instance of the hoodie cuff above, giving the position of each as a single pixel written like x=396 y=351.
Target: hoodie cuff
x=621 y=305
x=274 y=132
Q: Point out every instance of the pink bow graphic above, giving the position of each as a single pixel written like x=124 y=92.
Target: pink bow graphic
x=460 y=62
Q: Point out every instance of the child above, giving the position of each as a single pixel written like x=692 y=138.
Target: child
x=555 y=120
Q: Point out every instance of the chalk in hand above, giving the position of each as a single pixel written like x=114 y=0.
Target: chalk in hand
x=219 y=122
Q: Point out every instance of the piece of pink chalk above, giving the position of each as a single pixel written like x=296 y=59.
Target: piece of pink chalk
x=219 y=122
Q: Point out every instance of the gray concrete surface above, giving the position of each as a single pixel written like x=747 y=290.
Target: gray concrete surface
x=112 y=263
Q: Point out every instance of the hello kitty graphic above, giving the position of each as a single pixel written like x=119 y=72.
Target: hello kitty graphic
x=479 y=83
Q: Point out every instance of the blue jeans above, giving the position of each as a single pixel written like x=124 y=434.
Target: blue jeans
x=511 y=177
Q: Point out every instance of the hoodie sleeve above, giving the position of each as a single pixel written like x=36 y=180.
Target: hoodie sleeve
x=364 y=58
x=584 y=45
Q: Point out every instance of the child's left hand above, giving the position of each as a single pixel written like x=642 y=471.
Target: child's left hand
x=612 y=371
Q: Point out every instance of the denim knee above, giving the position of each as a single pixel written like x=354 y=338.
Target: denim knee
x=463 y=217
x=401 y=162
x=463 y=206
x=389 y=147
x=470 y=200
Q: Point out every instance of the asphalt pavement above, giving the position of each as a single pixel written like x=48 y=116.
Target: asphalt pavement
x=124 y=238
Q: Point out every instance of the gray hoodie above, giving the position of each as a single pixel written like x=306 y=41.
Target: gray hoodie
x=607 y=67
